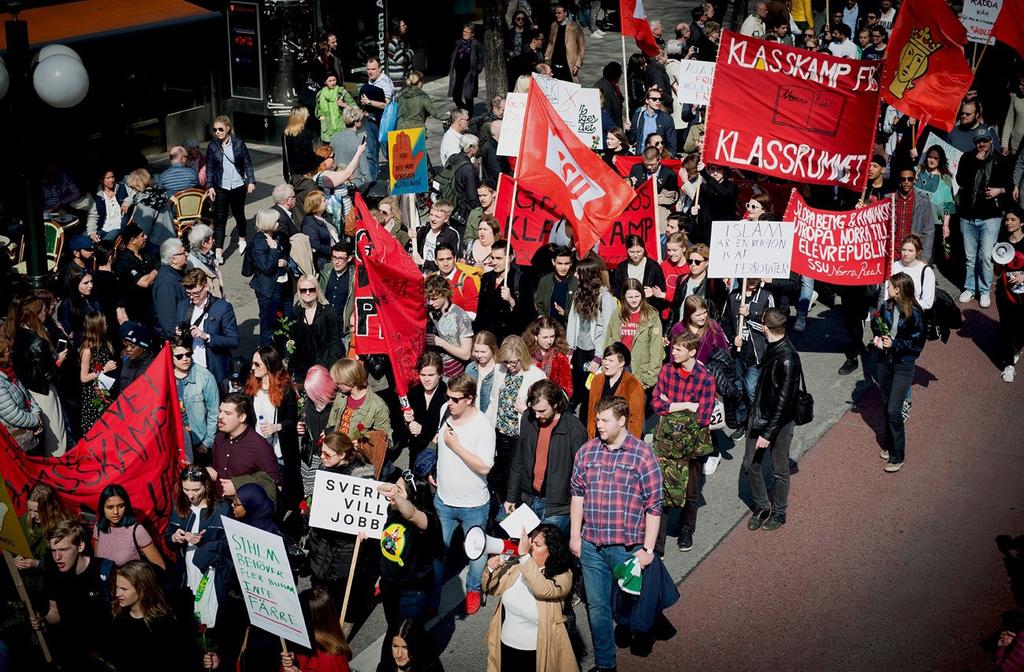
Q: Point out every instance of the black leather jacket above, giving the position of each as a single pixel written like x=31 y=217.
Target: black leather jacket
x=775 y=397
x=33 y=361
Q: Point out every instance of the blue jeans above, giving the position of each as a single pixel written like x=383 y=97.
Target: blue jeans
x=597 y=563
x=268 y=307
x=468 y=517
x=747 y=377
x=806 y=294
x=979 y=239
x=539 y=504
x=372 y=128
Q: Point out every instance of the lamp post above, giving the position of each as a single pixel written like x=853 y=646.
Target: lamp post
x=60 y=80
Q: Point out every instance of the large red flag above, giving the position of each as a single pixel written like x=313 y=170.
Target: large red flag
x=1009 y=26
x=792 y=113
x=391 y=313
x=534 y=219
x=552 y=161
x=926 y=73
x=635 y=25
x=137 y=443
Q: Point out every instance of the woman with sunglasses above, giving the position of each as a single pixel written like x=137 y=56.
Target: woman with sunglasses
x=315 y=336
x=697 y=283
x=195 y=536
x=229 y=179
x=199 y=399
x=408 y=547
x=330 y=552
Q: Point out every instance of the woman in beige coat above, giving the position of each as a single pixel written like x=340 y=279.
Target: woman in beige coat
x=528 y=631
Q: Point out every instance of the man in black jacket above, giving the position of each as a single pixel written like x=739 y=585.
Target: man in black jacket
x=549 y=439
x=771 y=423
x=504 y=307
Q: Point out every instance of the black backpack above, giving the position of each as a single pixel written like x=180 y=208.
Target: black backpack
x=444 y=183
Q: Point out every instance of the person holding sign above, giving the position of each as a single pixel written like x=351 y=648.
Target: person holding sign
x=899 y=331
x=330 y=552
x=742 y=323
x=408 y=547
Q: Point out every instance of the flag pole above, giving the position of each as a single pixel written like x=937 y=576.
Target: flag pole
x=977 y=64
x=625 y=76
x=23 y=594
x=657 y=228
x=508 y=226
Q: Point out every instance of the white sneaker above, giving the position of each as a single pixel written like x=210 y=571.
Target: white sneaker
x=1016 y=358
x=1008 y=374
x=241 y=245
x=597 y=34
x=985 y=301
x=966 y=296
x=711 y=465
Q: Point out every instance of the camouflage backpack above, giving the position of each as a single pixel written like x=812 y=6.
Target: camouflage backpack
x=677 y=439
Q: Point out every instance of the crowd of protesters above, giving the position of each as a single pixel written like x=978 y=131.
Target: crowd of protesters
x=601 y=397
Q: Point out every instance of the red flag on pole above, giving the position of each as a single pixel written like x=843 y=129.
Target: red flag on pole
x=926 y=74
x=137 y=442
x=1009 y=26
x=390 y=311
x=635 y=25
x=552 y=161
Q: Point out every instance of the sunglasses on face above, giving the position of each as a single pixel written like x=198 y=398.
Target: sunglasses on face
x=218 y=129
x=307 y=290
x=696 y=262
x=182 y=355
x=454 y=400
x=906 y=179
x=657 y=100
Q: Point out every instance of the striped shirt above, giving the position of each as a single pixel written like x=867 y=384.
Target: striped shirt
x=618 y=488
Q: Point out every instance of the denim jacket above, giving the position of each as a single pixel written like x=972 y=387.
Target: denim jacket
x=910 y=332
x=200 y=405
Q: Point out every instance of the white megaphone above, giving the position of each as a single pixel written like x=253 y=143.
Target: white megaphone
x=477 y=543
x=1002 y=253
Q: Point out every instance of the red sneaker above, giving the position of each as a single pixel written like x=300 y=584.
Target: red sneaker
x=472 y=602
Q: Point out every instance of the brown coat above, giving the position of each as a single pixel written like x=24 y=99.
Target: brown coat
x=629 y=389
x=575 y=47
x=554 y=650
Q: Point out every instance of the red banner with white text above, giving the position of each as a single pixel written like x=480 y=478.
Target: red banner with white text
x=638 y=218
x=849 y=247
x=136 y=443
x=792 y=113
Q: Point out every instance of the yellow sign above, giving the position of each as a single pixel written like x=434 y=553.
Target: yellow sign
x=12 y=537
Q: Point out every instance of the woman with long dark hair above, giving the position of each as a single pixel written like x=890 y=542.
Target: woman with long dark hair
x=118 y=536
x=637 y=326
x=144 y=634
x=591 y=311
x=935 y=179
x=330 y=651
x=78 y=302
x=195 y=535
x=408 y=649
x=1010 y=295
x=528 y=631
x=545 y=338
x=899 y=331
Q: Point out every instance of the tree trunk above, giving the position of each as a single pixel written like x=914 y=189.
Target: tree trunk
x=495 y=78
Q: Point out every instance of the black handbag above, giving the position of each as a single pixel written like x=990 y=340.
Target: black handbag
x=804 y=411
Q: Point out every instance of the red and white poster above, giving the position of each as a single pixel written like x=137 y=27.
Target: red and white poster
x=849 y=247
x=792 y=113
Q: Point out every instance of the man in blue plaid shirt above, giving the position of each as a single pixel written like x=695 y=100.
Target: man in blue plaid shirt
x=616 y=511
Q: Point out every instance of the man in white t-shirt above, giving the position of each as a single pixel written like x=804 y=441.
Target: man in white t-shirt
x=465 y=455
x=453 y=136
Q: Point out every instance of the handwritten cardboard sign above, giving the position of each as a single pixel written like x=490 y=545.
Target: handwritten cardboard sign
x=693 y=83
x=348 y=504
x=978 y=18
x=408 y=167
x=749 y=249
x=265 y=577
x=580 y=109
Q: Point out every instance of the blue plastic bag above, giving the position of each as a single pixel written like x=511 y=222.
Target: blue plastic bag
x=388 y=121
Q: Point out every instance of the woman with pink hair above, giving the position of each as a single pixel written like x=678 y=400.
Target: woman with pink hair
x=315 y=404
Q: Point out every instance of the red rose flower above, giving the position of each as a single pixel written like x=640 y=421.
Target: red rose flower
x=361 y=427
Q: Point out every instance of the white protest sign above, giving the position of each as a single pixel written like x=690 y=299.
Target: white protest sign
x=694 y=82
x=347 y=504
x=579 y=108
x=748 y=249
x=522 y=518
x=265 y=576
x=952 y=156
x=978 y=18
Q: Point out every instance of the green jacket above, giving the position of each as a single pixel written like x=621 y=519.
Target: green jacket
x=648 y=347
x=542 y=297
x=329 y=113
x=373 y=414
x=414 y=106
